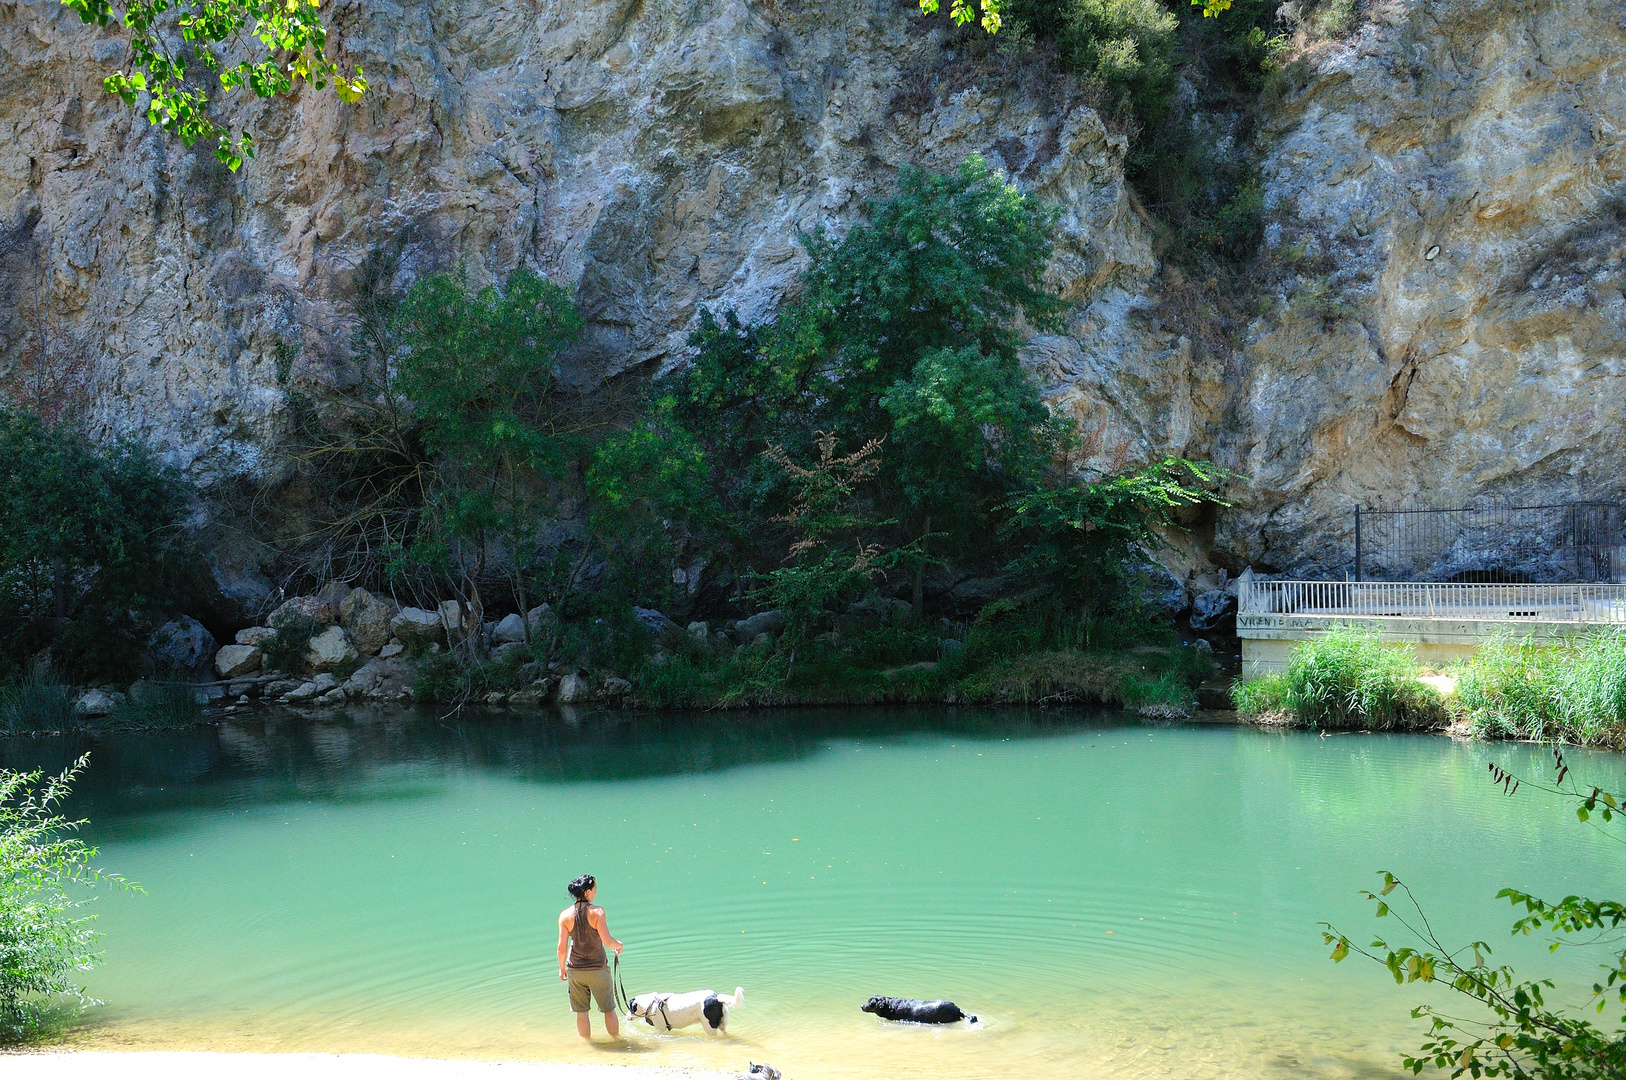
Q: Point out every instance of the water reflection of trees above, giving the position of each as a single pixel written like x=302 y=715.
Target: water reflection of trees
x=270 y=757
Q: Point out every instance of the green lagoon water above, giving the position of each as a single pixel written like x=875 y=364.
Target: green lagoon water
x=1115 y=899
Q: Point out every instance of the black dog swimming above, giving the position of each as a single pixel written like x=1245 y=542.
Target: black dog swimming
x=916 y=1011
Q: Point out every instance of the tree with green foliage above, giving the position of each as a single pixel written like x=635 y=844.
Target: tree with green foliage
x=45 y=941
x=1078 y=541
x=829 y=560
x=476 y=369
x=431 y=461
x=649 y=505
x=1514 y=1030
x=264 y=46
x=93 y=553
x=905 y=329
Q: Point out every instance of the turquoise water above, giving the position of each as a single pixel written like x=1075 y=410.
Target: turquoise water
x=1115 y=899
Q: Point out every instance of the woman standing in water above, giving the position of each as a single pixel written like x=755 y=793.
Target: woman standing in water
x=583 y=934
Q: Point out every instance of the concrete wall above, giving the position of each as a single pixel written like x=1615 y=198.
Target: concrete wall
x=1268 y=640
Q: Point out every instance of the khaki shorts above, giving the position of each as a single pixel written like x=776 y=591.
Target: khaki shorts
x=594 y=981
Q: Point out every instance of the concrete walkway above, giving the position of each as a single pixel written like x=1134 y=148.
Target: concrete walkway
x=97 y=1065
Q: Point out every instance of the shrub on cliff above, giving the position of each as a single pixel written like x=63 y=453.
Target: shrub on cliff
x=92 y=549
x=1186 y=85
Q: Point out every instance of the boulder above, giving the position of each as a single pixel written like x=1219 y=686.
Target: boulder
x=874 y=611
x=771 y=623
x=363 y=682
x=573 y=689
x=148 y=691
x=205 y=695
x=332 y=697
x=539 y=618
x=510 y=628
x=97 y=703
x=700 y=631
x=255 y=635
x=417 y=625
x=366 y=619
x=1161 y=591
x=1212 y=609
x=313 y=608
x=302 y=692
x=458 y=620
x=529 y=698
x=495 y=698
x=329 y=649
x=509 y=650
x=182 y=645
x=322 y=684
x=614 y=687
x=655 y=622
x=392 y=650
x=235 y=661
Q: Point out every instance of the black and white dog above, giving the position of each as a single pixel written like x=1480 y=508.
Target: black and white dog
x=668 y=1012
x=915 y=1011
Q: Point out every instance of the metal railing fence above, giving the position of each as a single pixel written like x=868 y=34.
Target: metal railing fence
x=1580 y=541
x=1433 y=600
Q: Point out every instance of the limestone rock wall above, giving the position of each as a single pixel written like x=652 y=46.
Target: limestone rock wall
x=661 y=157
x=1462 y=167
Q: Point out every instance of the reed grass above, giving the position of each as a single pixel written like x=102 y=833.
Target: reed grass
x=1512 y=688
x=157 y=705
x=1346 y=679
x=36 y=704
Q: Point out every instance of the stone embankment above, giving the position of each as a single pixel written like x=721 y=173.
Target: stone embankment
x=348 y=645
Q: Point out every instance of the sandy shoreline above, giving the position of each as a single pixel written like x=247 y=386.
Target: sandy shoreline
x=168 y=1065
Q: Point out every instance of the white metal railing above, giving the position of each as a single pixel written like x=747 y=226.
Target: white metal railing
x=1433 y=600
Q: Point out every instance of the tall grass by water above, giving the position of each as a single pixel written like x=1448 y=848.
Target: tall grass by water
x=1345 y=679
x=1512 y=688
x=38 y=706
x=1007 y=657
x=34 y=704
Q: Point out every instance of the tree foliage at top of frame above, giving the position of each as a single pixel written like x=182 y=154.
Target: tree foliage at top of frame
x=276 y=44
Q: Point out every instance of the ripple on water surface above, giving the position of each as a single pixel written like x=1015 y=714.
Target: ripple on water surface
x=1113 y=899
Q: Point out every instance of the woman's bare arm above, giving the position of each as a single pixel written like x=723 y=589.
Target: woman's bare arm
x=564 y=942
x=603 y=929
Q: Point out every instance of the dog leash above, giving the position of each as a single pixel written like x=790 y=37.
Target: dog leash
x=622 y=1001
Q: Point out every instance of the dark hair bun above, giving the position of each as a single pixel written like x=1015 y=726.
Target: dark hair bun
x=579 y=887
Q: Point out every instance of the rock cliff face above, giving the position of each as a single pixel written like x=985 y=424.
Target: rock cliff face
x=1447 y=320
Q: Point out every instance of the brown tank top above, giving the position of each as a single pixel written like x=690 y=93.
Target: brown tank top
x=586 y=950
